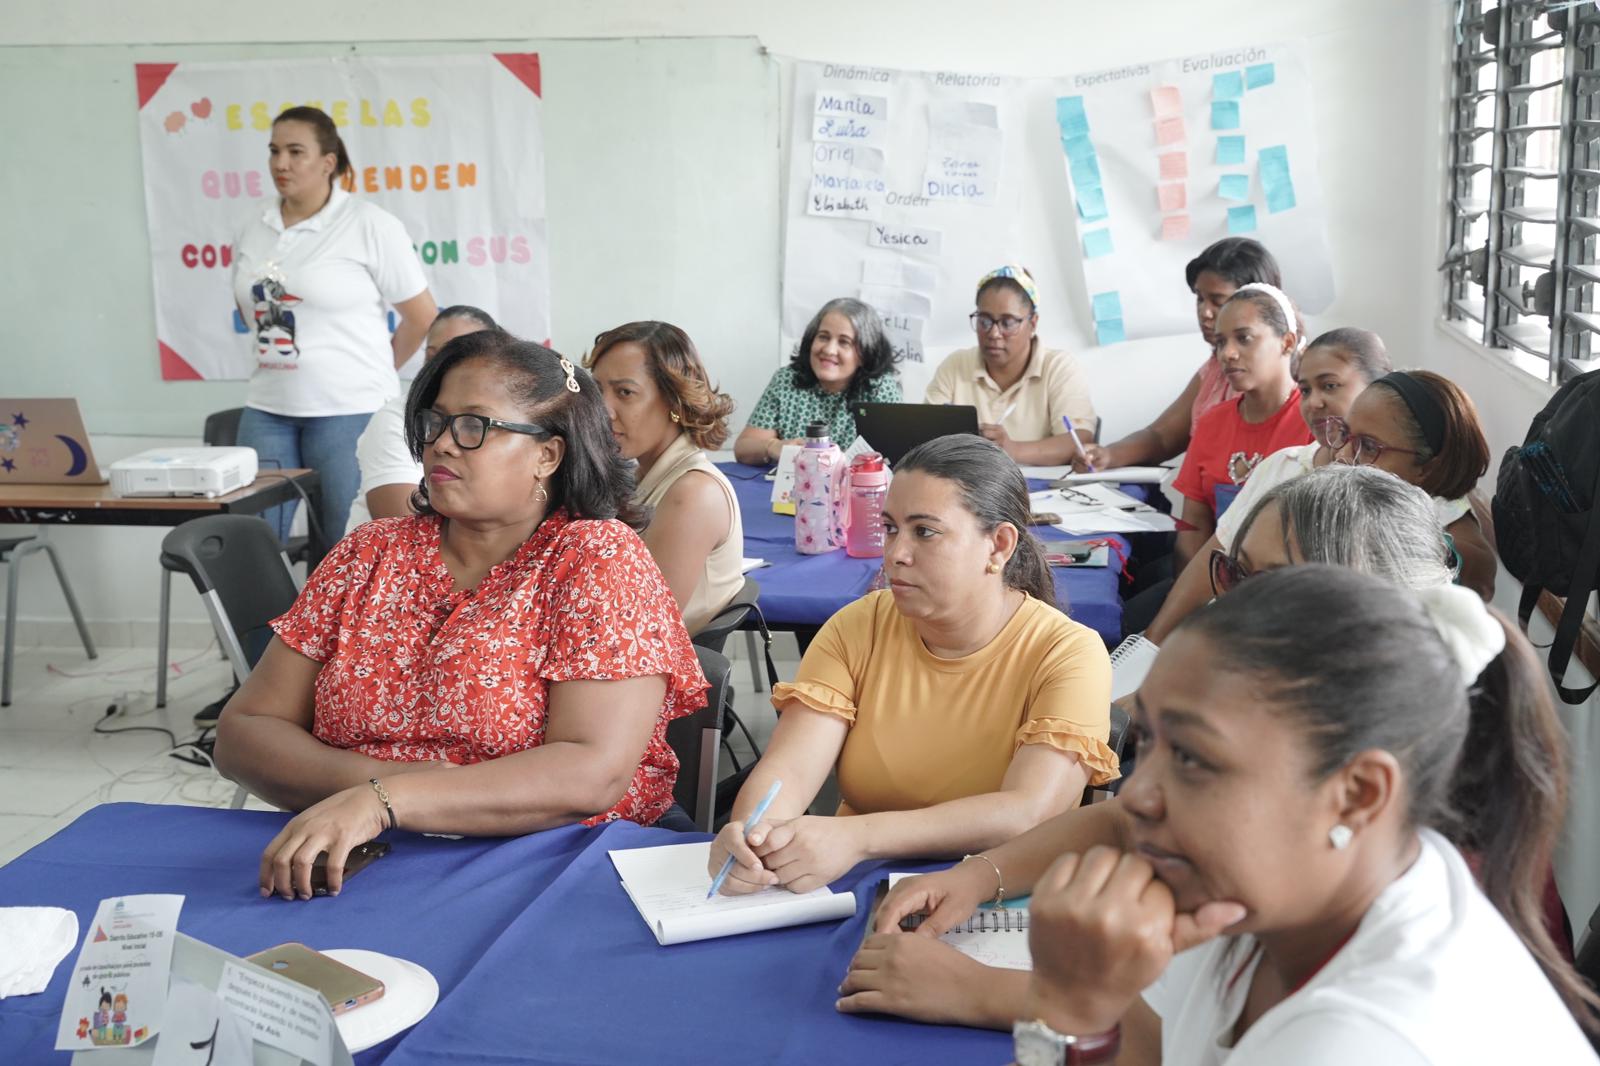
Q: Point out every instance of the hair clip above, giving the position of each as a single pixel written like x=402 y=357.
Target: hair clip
x=572 y=376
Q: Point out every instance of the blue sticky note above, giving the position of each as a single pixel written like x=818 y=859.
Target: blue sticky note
x=1234 y=187
x=1242 y=219
x=1262 y=74
x=1092 y=204
x=1224 y=114
x=1276 y=181
x=1077 y=148
x=1107 y=306
x=1070 y=116
x=1097 y=242
x=1085 y=173
x=1109 y=332
x=1230 y=151
x=1229 y=86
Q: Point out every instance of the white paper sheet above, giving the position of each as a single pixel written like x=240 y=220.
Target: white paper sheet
x=1007 y=950
x=1131 y=475
x=117 y=995
x=199 y=1029
x=748 y=564
x=1110 y=521
x=1090 y=496
x=1130 y=664
x=668 y=884
x=279 y=1012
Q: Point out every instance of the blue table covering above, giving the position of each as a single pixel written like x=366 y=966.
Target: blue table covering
x=806 y=590
x=539 y=954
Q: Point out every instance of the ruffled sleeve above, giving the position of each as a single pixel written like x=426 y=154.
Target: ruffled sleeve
x=828 y=680
x=311 y=626
x=612 y=616
x=1069 y=707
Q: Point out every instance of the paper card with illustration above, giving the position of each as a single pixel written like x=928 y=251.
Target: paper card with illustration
x=118 y=990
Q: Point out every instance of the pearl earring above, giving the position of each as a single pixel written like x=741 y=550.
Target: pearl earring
x=1340 y=836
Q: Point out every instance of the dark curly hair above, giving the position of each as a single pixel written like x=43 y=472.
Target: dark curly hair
x=593 y=480
x=872 y=346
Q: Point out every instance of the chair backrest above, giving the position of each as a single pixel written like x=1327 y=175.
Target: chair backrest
x=222 y=428
x=1118 y=742
x=237 y=566
x=1588 y=962
x=714 y=634
x=697 y=739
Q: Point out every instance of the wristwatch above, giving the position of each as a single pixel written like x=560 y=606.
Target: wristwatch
x=1036 y=1044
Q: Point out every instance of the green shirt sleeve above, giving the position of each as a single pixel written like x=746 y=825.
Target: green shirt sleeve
x=764 y=415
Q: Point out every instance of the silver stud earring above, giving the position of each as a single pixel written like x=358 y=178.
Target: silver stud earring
x=1340 y=836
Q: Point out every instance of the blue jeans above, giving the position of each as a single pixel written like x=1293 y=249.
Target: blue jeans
x=326 y=445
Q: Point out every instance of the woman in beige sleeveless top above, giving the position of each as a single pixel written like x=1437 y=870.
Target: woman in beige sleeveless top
x=666 y=414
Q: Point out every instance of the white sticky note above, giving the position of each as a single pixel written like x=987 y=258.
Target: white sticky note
x=900 y=273
x=850 y=117
x=279 y=1012
x=963 y=113
x=905 y=337
x=895 y=301
x=963 y=164
x=905 y=238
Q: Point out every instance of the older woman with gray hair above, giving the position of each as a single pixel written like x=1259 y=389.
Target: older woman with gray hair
x=1355 y=517
x=843 y=358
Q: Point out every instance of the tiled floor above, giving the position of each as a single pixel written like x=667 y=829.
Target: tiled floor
x=53 y=766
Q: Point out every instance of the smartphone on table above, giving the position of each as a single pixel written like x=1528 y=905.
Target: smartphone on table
x=344 y=987
x=361 y=856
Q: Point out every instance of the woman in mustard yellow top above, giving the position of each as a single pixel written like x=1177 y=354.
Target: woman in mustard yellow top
x=960 y=706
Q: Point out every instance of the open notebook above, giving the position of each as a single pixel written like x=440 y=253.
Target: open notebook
x=668 y=884
x=1130 y=663
x=994 y=936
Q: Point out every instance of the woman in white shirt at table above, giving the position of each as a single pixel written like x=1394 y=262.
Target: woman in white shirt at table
x=1314 y=748
x=665 y=415
x=389 y=472
x=313 y=270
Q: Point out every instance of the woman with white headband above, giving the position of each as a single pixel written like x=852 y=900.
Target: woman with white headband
x=1316 y=751
x=1258 y=336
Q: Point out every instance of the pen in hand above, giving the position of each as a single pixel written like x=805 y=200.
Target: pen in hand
x=1066 y=420
x=753 y=820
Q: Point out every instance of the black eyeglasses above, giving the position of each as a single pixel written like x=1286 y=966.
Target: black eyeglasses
x=467 y=430
x=1227 y=573
x=1009 y=324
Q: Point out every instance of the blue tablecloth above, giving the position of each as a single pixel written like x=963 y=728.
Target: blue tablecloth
x=799 y=590
x=539 y=954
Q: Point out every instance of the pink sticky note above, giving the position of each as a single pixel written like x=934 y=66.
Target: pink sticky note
x=1173 y=197
x=1169 y=131
x=1175 y=228
x=1167 y=101
x=1174 y=166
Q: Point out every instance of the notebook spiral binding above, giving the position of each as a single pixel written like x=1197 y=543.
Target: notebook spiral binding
x=984 y=921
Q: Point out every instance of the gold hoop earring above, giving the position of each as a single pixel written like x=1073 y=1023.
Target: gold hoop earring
x=540 y=494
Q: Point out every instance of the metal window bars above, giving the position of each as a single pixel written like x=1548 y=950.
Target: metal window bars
x=1524 y=180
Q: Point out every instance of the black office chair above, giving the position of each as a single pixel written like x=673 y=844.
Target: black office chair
x=238 y=566
x=1118 y=742
x=697 y=740
x=743 y=612
x=221 y=431
x=12 y=551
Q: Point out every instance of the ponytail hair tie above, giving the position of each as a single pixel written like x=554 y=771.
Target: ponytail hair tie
x=1285 y=305
x=1474 y=637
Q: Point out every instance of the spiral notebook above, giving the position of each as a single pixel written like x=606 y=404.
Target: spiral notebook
x=1130 y=664
x=994 y=936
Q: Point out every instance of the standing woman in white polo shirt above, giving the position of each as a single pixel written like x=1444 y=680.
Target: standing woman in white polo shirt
x=313 y=270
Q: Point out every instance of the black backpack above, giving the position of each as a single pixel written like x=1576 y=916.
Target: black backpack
x=1547 y=514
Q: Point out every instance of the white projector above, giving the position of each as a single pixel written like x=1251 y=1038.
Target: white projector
x=208 y=472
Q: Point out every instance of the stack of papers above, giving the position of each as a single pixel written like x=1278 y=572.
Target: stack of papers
x=668 y=885
x=1097 y=508
x=994 y=936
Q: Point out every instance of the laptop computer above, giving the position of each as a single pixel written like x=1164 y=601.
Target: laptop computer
x=43 y=442
x=895 y=428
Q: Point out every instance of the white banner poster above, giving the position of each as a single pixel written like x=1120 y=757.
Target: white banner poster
x=450 y=145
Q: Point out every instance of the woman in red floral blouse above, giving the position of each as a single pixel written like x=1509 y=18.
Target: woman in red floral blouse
x=505 y=661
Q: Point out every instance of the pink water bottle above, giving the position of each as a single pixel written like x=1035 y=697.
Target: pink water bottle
x=869 y=484
x=817 y=473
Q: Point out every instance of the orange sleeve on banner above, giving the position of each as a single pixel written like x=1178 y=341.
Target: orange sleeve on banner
x=525 y=65
x=152 y=76
x=173 y=366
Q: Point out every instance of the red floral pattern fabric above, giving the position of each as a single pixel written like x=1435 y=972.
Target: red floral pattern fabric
x=413 y=670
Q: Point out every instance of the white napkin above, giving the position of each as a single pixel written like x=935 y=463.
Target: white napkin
x=33 y=941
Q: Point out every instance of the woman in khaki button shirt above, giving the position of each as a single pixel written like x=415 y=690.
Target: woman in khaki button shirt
x=1021 y=389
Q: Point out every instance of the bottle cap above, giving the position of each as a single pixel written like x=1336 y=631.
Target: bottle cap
x=817 y=429
x=866 y=463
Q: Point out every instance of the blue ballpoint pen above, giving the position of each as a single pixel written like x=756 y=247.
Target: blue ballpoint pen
x=754 y=819
x=1066 y=420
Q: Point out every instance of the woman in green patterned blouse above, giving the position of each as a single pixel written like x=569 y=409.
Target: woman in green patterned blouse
x=843 y=358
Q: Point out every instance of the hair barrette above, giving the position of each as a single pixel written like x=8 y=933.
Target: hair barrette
x=572 y=374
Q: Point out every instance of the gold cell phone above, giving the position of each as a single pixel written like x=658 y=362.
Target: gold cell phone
x=344 y=987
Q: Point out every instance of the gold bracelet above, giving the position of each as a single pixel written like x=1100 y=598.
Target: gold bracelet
x=1000 y=890
x=383 y=794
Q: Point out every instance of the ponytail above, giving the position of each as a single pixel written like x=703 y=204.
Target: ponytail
x=1507 y=800
x=328 y=140
x=994 y=490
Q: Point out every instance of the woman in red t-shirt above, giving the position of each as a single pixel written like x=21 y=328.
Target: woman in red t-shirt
x=1258 y=334
x=504 y=661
